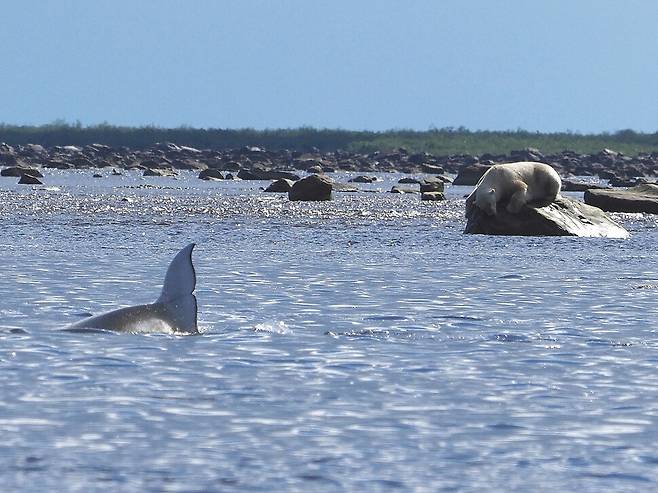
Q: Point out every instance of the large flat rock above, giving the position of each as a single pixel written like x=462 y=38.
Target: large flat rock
x=563 y=217
x=641 y=198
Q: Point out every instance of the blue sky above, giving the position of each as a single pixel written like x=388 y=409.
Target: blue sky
x=544 y=65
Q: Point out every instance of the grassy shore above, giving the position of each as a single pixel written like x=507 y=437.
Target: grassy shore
x=437 y=141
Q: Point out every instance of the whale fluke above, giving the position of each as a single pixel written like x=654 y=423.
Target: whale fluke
x=180 y=279
x=175 y=310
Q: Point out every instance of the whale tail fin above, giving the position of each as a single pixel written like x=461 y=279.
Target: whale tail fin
x=178 y=291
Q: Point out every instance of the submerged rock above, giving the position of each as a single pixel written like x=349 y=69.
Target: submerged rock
x=311 y=188
x=562 y=217
x=641 y=198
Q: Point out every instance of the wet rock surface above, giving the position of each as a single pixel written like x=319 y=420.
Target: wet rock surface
x=640 y=198
x=563 y=217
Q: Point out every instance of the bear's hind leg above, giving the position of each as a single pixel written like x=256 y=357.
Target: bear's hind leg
x=518 y=198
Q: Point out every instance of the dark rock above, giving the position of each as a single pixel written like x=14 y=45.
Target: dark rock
x=431 y=185
x=562 y=217
x=29 y=180
x=494 y=158
x=97 y=175
x=10 y=159
x=17 y=171
x=616 y=181
x=409 y=180
x=420 y=158
x=159 y=172
x=467 y=159
x=633 y=171
x=81 y=162
x=189 y=164
x=211 y=174
x=311 y=188
x=602 y=173
x=280 y=174
x=232 y=166
x=431 y=169
x=315 y=169
x=260 y=173
x=98 y=149
x=608 y=156
x=363 y=179
x=397 y=189
x=57 y=164
x=470 y=175
x=280 y=185
x=434 y=196
x=245 y=174
x=344 y=187
x=641 y=198
x=527 y=154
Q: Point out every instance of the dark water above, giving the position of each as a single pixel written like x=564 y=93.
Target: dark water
x=359 y=345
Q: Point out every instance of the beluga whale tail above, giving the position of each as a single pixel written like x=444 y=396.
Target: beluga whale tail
x=175 y=310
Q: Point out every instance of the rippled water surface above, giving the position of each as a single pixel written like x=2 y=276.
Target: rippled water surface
x=362 y=344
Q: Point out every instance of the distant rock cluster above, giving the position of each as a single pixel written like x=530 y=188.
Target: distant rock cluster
x=255 y=163
x=303 y=176
x=284 y=167
x=620 y=170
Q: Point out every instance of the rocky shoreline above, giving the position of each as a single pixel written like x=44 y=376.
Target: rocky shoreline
x=255 y=163
x=303 y=176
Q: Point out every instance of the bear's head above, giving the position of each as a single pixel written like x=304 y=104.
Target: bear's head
x=486 y=202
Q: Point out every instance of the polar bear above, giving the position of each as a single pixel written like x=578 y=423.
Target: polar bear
x=518 y=184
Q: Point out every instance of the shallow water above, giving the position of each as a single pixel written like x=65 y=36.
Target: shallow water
x=364 y=344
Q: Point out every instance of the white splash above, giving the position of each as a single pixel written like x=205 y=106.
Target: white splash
x=279 y=327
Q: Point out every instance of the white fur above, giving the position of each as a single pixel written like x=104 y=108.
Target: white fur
x=519 y=183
